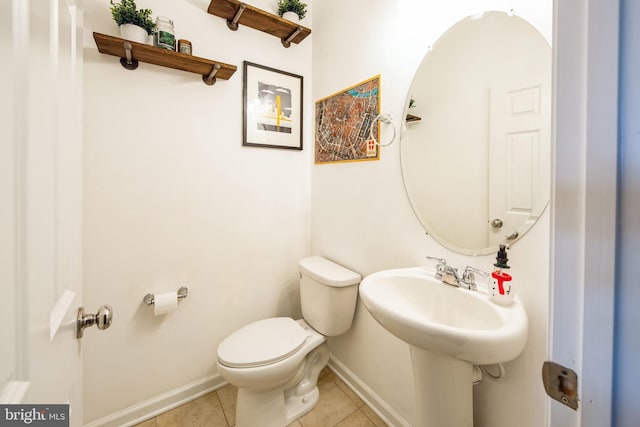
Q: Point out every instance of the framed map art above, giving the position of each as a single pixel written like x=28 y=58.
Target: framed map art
x=345 y=124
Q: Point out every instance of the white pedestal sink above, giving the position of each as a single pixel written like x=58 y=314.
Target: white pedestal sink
x=449 y=330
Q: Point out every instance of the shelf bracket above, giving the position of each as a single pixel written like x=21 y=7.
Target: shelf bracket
x=287 y=42
x=233 y=24
x=129 y=63
x=210 y=80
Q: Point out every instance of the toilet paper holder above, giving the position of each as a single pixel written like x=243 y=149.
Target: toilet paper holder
x=149 y=299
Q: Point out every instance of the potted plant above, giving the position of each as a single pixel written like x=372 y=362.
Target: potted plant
x=135 y=25
x=290 y=9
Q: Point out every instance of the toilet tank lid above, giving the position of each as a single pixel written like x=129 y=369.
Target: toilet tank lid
x=328 y=272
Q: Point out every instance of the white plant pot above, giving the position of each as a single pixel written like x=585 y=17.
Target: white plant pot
x=291 y=16
x=134 y=33
x=268 y=5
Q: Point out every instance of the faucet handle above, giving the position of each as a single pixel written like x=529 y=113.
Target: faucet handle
x=440 y=267
x=469 y=279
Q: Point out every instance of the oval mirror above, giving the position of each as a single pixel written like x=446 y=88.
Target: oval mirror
x=476 y=153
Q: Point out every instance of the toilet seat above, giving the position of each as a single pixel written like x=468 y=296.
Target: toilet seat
x=262 y=343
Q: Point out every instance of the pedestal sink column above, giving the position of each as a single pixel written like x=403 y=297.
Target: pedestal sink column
x=443 y=389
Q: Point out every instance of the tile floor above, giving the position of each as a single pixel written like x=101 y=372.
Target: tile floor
x=339 y=406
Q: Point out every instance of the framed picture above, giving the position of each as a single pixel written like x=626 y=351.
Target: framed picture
x=346 y=125
x=272 y=108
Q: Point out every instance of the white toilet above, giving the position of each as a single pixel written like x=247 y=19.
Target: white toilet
x=275 y=362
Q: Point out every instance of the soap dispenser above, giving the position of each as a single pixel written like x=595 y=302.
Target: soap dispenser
x=500 y=286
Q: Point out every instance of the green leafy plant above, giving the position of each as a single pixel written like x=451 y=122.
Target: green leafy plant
x=126 y=12
x=295 y=6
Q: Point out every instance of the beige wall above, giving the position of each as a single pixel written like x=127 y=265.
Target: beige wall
x=172 y=198
x=375 y=229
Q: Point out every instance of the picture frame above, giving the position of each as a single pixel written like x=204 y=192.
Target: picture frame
x=271 y=107
x=347 y=125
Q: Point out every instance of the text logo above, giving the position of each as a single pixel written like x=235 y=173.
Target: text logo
x=34 y=415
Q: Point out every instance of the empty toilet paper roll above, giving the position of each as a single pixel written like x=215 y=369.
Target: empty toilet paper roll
x=165 y=303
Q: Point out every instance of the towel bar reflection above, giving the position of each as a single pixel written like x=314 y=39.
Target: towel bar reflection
x=149 y=299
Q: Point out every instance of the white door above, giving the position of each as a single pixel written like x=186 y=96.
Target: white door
x=583 y=205
x=41 y=205
x=519 y=141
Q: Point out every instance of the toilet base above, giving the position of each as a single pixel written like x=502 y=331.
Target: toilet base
x=297 y=406
x=301 y=392
x=281 y=406
x=269 y=409
x=261 y=408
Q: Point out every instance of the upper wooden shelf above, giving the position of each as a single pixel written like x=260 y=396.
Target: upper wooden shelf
x=237 y=12
x=165 y=58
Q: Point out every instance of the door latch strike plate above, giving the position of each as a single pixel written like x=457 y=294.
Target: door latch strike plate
x=561 y=384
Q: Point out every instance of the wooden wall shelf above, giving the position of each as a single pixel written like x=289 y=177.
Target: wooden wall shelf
x=411 y=118
x=208 y=69
x=237 y=12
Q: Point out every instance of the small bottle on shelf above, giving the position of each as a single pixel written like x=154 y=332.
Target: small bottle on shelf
x=165 y=36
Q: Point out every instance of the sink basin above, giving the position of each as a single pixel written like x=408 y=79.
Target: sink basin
x=449 y=330
x=426 y=313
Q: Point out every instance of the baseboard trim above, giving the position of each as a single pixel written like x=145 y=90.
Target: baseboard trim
x=157 y=405
x=179 y=396
x=375 y=402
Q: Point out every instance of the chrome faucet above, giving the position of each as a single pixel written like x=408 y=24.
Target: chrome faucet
x=468 y=280
x=440 y=267
x=449 y=275
x=445 y=273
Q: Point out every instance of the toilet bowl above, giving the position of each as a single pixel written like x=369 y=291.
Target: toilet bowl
x=275 y=362
x=281 y=390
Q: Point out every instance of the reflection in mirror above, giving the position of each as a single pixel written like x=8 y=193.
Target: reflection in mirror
x=476 y=166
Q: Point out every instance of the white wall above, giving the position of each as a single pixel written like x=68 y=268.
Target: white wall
x=362 y=218
x=175 y=199
x=172 y=198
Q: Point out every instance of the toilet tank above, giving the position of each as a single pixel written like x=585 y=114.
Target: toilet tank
x=328 y=294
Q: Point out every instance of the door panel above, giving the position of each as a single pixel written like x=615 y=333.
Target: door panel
x=518 y=139
x=43 y=188
x=8 y=273
x=584 y=204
